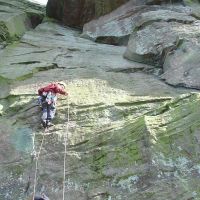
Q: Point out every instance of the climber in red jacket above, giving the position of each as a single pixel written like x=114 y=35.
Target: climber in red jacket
x=56 y=88
x=47 y=100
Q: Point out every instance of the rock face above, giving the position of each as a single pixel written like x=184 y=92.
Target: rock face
x=159 y=2
x=78 y=12
x=121 y=138
x=116 y=27
x=182 y=67
x=16 y=17
x=162 y=38
x=130 y=136
x=157 y=32
x=113 y=28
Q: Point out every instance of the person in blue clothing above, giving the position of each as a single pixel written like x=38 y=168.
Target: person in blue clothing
x=47 y=100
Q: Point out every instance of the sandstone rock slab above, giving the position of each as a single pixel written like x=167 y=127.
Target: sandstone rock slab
x=158 y=32
x=131 y=136
x=16 y=17
x=114 y=28
x=181 y=67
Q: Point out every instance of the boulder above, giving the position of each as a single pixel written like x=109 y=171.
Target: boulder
x=182 y=67
x=158 y=32
x=168 y=39
x=78 y=12
x=115 y=27
x=194 y=6
x=16 y=17
x=191 y=2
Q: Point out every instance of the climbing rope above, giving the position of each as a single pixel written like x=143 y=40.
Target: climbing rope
x=36 y=164
x=65 y=144
x=37 y=155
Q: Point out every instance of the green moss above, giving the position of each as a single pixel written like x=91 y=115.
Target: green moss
x=48 y=19
x=190 y=2
x=16 y=103
x=16 y=170
x=117 y=149
x=4 y=34
x=17 y=23
x=98 y=161
x=148 y=195
x=172 y=130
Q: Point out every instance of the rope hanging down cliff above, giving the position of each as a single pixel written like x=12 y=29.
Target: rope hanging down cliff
x=65 y=152
x=36 y=164
x=37 y=155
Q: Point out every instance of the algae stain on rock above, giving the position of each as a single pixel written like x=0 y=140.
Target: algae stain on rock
x=22 y=139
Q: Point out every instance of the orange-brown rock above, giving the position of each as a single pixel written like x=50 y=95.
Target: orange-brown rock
x=78 y=12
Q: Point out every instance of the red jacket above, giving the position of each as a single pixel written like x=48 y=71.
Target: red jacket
x=53 y=87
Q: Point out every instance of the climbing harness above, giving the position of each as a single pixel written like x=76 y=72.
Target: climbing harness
x=65 y=144
x=36 y=155
x=47 y=101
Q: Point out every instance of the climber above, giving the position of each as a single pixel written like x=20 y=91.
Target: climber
x=47 y=101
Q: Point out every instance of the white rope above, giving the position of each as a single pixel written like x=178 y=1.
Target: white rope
x=38 y=155
x=33 y=150
x=36 y=165
x=65 y=144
